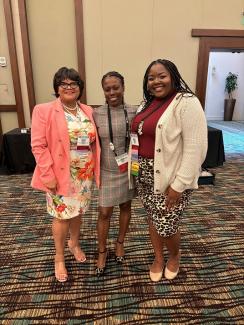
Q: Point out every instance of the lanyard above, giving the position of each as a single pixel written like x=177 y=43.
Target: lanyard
x=111 y=130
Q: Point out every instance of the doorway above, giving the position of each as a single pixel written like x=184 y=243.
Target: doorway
x=215 y=40
x=220 y=64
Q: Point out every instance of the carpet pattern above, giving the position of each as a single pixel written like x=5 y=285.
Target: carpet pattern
x=208 y=289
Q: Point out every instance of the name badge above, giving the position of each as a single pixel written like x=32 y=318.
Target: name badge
x=83 y=143
x=122 y=162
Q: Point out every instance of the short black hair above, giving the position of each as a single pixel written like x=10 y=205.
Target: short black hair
x=66 y=73
x=114 y=74
x=178 y=82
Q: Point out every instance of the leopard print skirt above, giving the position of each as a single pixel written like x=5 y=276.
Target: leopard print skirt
x=165 y=222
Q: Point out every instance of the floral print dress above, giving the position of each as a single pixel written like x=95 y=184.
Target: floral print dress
x=81 y=171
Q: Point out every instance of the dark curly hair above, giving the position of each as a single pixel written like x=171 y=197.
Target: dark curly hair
x=178 y=83
x=66 y=73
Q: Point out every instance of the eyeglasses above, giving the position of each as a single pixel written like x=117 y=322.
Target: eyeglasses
x=72 y=85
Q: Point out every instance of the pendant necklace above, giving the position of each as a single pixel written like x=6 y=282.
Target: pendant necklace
x=141 y=123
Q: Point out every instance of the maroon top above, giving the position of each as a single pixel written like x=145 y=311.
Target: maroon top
x=147 y=139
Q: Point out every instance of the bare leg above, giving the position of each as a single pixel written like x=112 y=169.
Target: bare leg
x=157 y=243
x=103 y=224
x=173 y=246
x=124 y=220
x=60 y=230
x=73 y=243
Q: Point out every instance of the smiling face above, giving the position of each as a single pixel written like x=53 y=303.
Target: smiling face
x=69 y=91
x=159 y=82
x=113 y=91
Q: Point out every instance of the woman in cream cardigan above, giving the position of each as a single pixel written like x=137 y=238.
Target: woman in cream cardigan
x=169 y=136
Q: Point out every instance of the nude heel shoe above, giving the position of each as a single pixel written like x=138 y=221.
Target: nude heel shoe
x=170 y=275
x=60 y=264
x=78 y=253
x=155 y=277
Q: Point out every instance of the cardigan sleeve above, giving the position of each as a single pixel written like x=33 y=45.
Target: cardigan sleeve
x=194 y=137
x=39 y=145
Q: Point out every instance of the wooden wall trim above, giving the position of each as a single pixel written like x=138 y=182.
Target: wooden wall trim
x=1 y=140
x=80 y=44
x=202 y=70
x=27 y=54
x=8 y=108
x=217 y=33
x=14 y=62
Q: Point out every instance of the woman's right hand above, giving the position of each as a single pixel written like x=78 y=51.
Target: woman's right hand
x=52 y=186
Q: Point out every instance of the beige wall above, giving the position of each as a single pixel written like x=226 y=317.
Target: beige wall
x=51 y=25
x=119 y=35
x=127 y=35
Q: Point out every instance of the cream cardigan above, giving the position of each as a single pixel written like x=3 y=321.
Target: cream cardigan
x=180 y=145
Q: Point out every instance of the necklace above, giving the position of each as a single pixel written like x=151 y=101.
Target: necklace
x=141 y=123
x=70 y=108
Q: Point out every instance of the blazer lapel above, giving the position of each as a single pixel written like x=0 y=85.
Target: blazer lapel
x=62 y=126
x=87 y=111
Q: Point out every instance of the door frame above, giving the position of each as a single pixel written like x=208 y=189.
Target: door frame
x=213 y=39
x=18 y=107
x=27 y=54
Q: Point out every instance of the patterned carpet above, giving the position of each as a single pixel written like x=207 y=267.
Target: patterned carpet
x=208 y=289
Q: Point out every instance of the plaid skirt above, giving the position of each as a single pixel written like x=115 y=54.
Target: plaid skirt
x=114 y=188
x=165 y=222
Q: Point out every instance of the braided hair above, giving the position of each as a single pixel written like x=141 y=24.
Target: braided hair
x=116 y=75
x=113 y=74
x=178 y=83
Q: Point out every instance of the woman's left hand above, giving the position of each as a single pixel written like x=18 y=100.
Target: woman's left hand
x=172 y=198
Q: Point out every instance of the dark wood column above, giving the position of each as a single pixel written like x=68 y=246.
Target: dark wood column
x=14 y=67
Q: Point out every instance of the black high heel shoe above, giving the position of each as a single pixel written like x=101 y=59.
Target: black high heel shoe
x=100 y=270
x=119 y=259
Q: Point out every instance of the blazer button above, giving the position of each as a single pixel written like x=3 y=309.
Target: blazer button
x=158 y=171
x=62 y=168
x=59 y=140
x=158 y=150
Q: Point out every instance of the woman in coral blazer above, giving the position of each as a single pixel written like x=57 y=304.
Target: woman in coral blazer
x=66 y=147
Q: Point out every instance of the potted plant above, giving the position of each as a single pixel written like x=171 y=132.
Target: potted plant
x=230 y=86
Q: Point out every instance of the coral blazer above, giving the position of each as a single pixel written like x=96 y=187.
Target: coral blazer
x=51 y=146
